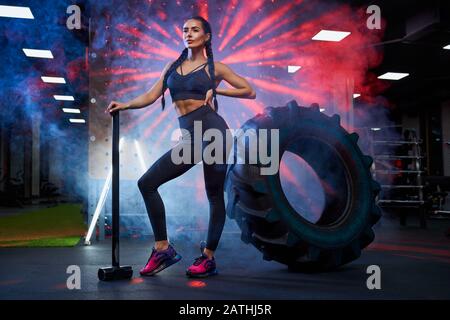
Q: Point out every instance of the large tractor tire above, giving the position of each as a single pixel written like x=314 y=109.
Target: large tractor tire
x=267 y=219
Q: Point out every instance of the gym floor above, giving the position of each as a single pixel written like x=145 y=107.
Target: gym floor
x=414 y=264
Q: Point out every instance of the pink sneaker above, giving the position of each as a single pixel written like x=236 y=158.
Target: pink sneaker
x=159 y=260
x=202 y=266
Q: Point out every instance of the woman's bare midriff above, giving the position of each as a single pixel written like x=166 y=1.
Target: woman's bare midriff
x=183 y=107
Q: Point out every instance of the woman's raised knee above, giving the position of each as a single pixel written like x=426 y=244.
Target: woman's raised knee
x=144 y=183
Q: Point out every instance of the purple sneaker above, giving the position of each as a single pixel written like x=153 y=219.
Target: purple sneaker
x=159 y=260
x=202 y=266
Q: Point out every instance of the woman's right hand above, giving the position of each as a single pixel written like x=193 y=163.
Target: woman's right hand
x=116 y=106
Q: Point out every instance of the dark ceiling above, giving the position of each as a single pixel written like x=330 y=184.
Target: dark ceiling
x=415 y=35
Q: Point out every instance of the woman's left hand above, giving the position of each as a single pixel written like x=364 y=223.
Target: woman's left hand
x=209 y=97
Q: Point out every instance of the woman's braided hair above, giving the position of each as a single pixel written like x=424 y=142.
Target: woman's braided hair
x=183 y=56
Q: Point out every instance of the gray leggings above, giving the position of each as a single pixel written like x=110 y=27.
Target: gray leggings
x=164 y=169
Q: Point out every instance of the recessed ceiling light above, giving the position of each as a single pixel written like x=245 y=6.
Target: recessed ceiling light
x=356 y=95
x=64 y=98
x=393 y=76
x=53 y=80
x=293 y=69
x=69 y=110
x=35 y=53
x=447 y=47
x=77 y=120
x=16 y=12
x=329 y=35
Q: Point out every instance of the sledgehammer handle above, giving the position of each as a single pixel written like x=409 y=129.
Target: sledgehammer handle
x=115 y=190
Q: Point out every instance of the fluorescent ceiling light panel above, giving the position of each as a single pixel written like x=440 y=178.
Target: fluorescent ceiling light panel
x=16 y=12
x=64 y=98
x=393 y=76
x=69 y=110
x=36 y=53
x=293 y=69
x=329 y=35
x=77 y=120
x=53 y=80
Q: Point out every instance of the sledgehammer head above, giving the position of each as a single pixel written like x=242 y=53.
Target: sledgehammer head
x=115 y=273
